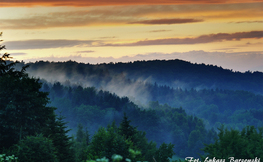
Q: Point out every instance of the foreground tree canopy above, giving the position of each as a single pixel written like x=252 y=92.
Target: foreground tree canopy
x=23 y=107
x=245 y=144
x=24 y=113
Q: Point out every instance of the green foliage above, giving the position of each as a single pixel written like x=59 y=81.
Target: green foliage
x=57 y=132
x=247 y=144
x=4 y=158
x=108 y=142
x=164 y=152
x=132 y=144
x=24 y=114
x=23 y=109
x=162 y=123
x=127 y=130
x=36 y=149
x=81 y=143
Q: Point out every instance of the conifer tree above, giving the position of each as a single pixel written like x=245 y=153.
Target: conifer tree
x=23 y=110
x=57 y=132
x=36 y=149
x=81 y=143
x=127 y=130
x=247 y=144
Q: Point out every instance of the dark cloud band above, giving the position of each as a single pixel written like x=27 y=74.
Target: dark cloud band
x=166 y=21
x=42 y=44
x=8 y=3
x=197 y=40
x=62 y=43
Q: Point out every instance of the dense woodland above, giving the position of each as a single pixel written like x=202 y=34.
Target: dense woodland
x=211 y=93
x=172 y=73
x=162 y=123
x=143 y=110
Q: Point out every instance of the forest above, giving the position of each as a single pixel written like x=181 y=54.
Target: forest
x=136 y=111
x=214 y=94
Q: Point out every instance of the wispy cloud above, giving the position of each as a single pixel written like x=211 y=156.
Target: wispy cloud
x=43 y=43
x=196 y=40
x=142 y=14
x=166 y=21
x=113 y=2
x=18 y=54
x=62 y=43
x=156 y=31
x=106 y=37
x=79 y=52
x=238 y=22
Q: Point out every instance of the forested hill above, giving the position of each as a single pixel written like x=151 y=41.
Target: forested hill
x=173 y=73
x=94 y=108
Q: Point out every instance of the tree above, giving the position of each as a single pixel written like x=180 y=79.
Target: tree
x=247 y=144
x=164 y=152
x=36 y=149
x=23 y=110
x=80 y=134
x=24 y=114
x=58 y=88
x=57 y=132
x=127 y=130
x=107 y=142
x=81 y=143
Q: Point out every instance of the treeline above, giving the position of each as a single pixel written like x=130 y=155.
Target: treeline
x=212 y=93
x=173 y=73
x=234 y=108
x=162 y=123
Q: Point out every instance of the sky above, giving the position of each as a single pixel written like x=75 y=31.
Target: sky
x=226 y=33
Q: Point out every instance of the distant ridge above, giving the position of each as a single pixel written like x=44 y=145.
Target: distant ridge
x=174 y=73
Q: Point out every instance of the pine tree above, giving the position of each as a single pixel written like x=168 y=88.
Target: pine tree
x=24 y=113
x=247 y=144
x=36 y=149
x=81 y=143
x=127 y=130
x=23 y=110
x=57 y=132
x=164 y=152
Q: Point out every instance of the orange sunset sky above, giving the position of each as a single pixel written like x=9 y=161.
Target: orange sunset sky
x=227 y=33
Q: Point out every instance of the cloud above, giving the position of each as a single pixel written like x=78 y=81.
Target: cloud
x=80 y=3
x=84 y=17
x=239 y=22
x=62 y=43
x=196 y=40
x=156 y=31
x=124 y=15
x=106 y=37
x=18 y=54
x=166 y=21
x=84 y=52
x=225 y=49
x=250 y=44
x=43 y=43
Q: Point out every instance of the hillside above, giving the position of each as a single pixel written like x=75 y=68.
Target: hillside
x=173 y=73
x=209 y=92
x=172 y=101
